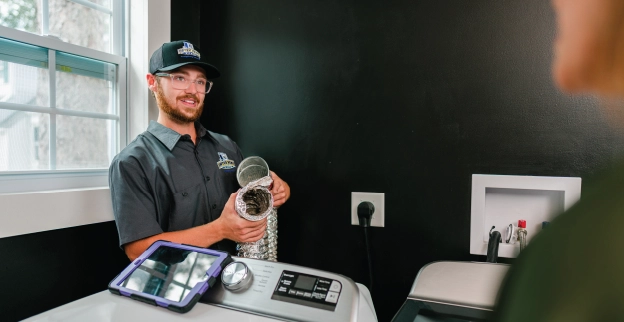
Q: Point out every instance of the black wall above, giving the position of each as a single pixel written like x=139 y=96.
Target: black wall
x=405 y=97
x=186 y=22
x=41 y=271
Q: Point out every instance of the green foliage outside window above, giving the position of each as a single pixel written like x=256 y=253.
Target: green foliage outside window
x=19 y=14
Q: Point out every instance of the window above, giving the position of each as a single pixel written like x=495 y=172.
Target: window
x=62 y=93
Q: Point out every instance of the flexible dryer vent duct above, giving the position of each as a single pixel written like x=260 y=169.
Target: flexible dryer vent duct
x=255 y=202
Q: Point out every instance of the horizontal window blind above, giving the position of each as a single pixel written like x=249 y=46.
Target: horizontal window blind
x=85 y=66
x=20 y=53
x=25 y=54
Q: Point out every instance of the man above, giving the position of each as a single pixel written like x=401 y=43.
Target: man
x=573 y=270
x=177 y=181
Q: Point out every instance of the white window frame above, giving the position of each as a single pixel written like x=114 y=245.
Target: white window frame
x=48 y=180
x=148 y=27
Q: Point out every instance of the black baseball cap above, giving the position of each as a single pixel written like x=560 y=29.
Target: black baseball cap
x=176 y=54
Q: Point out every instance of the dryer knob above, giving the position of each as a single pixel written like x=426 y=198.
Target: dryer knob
x=236 y=277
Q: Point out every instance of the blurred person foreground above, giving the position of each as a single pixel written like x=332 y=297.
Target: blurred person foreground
x=573 y=270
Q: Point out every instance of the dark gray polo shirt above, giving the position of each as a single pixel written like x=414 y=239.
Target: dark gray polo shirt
x=163 y=182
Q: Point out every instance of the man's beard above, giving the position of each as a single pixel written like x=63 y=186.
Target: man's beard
x=176 y=115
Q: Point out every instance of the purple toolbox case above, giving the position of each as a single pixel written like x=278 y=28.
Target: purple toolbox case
x=170 y=275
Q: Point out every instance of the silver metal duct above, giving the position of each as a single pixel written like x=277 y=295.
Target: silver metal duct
x=255 y=202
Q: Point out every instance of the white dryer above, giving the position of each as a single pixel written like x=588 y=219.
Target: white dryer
x=252 y=290
x=453 y=292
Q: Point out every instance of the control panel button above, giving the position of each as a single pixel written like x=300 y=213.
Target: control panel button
x=320 y=296
x=299 y=293
x=292 y=292
x=335 y=286
x=324 y=282
x=332 y=297
x=307 y=294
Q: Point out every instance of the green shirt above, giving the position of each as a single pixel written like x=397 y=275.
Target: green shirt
x=574 y=269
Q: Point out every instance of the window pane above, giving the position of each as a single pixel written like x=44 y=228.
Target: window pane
x=83 y=93
x=84 y=143
x=19 y=14
x=80 y=25
x=24 y=84
x=24 y=142
x=103 y=3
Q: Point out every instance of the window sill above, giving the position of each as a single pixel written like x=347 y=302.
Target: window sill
x=25 y=213
x=48 y=181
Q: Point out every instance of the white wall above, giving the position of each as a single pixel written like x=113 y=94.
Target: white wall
x=151 y=18
x=150 y=22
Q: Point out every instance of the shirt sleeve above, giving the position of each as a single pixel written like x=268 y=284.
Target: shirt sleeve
x=133 y=202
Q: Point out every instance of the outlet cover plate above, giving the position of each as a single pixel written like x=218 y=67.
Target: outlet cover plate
x=377 y=199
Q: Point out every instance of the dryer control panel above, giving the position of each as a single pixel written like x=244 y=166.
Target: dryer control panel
x=289 y=292
x=304 y=289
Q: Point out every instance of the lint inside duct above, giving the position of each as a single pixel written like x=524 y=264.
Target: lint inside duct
x=257 y=201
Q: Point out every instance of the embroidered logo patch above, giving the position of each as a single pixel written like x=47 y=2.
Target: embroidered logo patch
x=188 y=51
x=224 y=163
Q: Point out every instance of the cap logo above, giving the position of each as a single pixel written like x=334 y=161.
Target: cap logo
x=187 y=51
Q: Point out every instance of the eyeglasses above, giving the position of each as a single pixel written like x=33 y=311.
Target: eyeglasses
x=179 y=81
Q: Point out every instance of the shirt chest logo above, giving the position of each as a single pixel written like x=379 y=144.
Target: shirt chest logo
x=224 y=163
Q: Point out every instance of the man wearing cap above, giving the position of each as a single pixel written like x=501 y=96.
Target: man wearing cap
x=177 y=181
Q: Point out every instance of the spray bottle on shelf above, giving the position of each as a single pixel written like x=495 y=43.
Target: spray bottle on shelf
x=522 y=234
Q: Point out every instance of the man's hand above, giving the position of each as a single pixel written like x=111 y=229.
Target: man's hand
x=280 y=190
x=238 y=229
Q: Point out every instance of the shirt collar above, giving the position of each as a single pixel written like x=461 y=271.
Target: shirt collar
x=169 y=137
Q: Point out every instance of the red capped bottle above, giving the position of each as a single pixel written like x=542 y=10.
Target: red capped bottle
x=522 y=234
